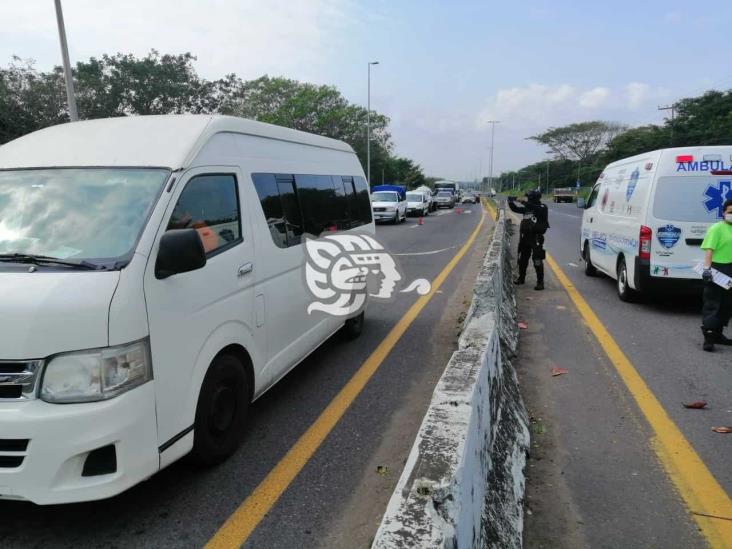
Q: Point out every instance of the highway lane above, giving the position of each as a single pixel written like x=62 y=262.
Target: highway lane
x=339 y=495
x=661 y=337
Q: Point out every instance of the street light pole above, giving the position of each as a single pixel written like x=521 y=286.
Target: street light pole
x=368 y=126
x=490 y=166
x=73 y=113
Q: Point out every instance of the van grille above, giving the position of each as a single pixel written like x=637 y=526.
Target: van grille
x=18 y=379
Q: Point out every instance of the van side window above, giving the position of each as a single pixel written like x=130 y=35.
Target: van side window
x=362 y=200
x=290 y=209
x=210 y=204
x=269 y=198
x=593 y=196
x=318 y=203
x=302 y=203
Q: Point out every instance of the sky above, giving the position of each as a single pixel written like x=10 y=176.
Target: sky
x=445 y=67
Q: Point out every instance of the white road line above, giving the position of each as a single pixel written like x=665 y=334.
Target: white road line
x=431 y=252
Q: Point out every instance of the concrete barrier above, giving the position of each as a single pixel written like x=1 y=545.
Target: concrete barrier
x=463 y=483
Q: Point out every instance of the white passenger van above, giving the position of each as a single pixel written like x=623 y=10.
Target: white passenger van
x=152 y=286
x=647 y=215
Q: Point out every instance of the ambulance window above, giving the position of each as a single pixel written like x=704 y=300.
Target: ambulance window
x=593 y=196
x=692 y=198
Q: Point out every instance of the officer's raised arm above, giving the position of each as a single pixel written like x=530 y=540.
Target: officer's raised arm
x=515 y=207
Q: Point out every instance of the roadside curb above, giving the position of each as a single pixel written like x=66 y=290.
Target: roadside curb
x=463 y=483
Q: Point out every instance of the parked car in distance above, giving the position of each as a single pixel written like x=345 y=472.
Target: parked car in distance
x=469 y=198
x=430 y=195
x=418 y=203
x=140 y=320
x=389 y=206
x=445 y=199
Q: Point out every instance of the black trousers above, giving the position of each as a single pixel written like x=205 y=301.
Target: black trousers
x=717 y=307
x=531 y=245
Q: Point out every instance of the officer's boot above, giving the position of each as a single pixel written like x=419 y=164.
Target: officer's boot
x=721 y=339
x=521 y=278
x=539 y=266
x=710 y=337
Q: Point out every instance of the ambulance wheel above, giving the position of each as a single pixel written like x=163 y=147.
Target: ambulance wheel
x=221 y=412
x=590 y=269
x=625 y=292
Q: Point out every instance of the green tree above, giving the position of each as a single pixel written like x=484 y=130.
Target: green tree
x=123 y=84
x=315 y=109
x=580 y=141
x=703 y=120
x=29 y=99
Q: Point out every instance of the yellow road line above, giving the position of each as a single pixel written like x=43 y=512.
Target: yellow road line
x=699 y=489
x=239 y=526
x=491 y=209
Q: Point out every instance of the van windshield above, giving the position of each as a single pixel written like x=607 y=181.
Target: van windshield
x=384 y=197
x=415 y=197
x=94 y=215
x=696 y=198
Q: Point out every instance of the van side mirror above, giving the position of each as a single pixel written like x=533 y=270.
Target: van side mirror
x=181 y=251
x=581 y=203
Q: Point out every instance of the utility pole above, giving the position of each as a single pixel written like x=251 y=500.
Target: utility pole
x=73 y=113
x=490 y=166
x=672 y=108
x=368 y=126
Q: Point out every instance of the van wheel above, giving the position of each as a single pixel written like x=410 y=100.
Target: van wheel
x=625 y=292
x=221 y=411
x=353 y=327
x=590 y=269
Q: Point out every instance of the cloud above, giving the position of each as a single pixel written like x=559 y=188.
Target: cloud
x=637 y=94
x=594 y=98
x=249 y=37
x=539 y=104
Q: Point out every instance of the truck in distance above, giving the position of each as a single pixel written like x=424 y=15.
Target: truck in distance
x=564 y=194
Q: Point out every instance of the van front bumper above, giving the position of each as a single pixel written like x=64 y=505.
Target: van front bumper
x=60 y=437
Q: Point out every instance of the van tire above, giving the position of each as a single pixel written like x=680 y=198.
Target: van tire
x=353 y=327
x=590 y=269
x=221 y=411
x=625 y=292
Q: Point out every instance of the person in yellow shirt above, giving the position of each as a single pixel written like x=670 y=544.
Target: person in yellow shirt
x=717 y=307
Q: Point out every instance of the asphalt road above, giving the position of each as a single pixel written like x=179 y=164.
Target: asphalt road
x=661 y=337
x=593 y=477
x=338 y=498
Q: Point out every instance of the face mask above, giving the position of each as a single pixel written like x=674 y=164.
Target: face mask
x=728 y=217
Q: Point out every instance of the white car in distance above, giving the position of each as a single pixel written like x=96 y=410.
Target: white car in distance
x=389 y=206
x=418 y=204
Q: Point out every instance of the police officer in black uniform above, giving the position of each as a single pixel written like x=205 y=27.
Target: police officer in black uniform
x=531 y=235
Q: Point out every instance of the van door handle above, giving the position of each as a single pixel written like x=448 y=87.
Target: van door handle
x=245 y=269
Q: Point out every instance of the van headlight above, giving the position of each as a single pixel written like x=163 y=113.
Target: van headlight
x=96 y=374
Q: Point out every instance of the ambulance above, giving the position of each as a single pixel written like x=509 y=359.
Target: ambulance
x=646 y=217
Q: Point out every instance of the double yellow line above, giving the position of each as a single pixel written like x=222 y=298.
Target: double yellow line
x=240 y=525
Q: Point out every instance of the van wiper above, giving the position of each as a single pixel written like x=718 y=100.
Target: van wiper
x=47 y=260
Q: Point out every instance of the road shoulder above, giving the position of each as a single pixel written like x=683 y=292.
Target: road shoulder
x=592 y=476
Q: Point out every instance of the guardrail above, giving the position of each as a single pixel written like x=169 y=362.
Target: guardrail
x=463 y=483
